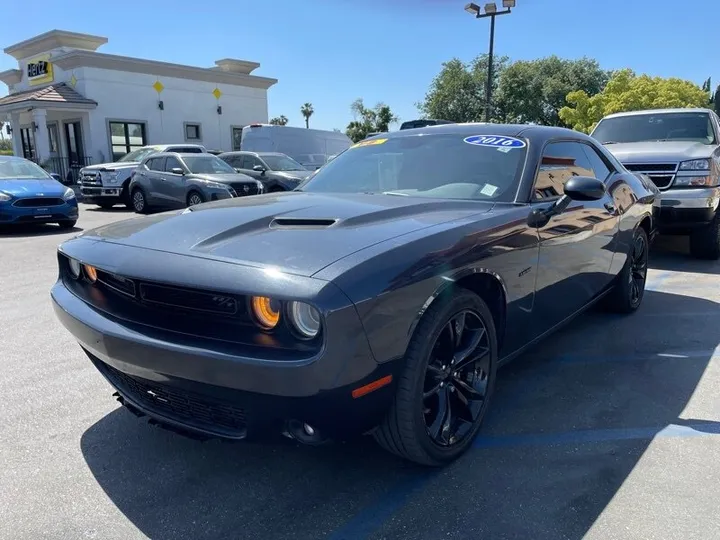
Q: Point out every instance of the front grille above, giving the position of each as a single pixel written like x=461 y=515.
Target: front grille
x=187 y=299
x=177 y=404
x=118 y=283
x=39 y=202
x=239 y=188
x=90 y=180
x=661 y=174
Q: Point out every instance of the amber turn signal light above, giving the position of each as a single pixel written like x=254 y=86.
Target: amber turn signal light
x=266 y=311
x=90 y=272
x=375 y=385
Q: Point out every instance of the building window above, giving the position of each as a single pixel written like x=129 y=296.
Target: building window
x=192 y=132
x=126 y=137
x=236 y=137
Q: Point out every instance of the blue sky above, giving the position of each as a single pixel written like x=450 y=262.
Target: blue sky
x=330 y=52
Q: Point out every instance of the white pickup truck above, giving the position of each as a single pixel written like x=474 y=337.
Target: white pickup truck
x=679 y=150
x=106 y=184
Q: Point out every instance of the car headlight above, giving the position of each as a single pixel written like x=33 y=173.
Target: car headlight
x=304 y=318
x=74 y=267
x=696 y=181
x=266 y=311
x=69 y=194
x=110 y=177
x=4 y=197
x=695 y=165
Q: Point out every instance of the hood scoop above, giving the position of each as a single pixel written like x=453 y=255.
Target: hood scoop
x=302 y=223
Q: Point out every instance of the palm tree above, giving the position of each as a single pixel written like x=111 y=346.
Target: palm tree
x=307 y=111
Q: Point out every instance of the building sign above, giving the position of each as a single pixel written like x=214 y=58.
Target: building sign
x=40 y=70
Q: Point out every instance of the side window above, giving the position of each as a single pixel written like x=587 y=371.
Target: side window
x=560 y=162
x=156 y=164
x=601 y=170
x=245 y=162
x=250 y=162
x=171 y=163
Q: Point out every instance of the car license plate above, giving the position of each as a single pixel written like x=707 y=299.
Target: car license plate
x=41 y=210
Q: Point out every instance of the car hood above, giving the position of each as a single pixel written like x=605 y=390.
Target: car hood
x=293 y=175
x=223 y=178
x=294 y=232
x=660 y=150
x=113 y=166
x=46 y=187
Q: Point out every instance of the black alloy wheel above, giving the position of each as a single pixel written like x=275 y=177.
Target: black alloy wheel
x=638 y=269
x=445 y=387
x=629 y=290
x=456 y=380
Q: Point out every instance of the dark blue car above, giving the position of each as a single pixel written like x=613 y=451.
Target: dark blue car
x=28 y=194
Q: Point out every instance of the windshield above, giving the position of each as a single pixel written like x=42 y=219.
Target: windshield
x=440 y=166
x=20 y=169
x=680 y=126
x=138 y=155
x=207 y=164
x=282 y=163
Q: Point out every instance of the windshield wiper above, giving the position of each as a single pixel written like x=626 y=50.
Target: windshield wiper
x=395 y=193
x=611 y=142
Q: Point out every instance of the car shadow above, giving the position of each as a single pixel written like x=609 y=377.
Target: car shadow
x=672 y=253
x=119 y=209
x=569 y=422
x=41 y=229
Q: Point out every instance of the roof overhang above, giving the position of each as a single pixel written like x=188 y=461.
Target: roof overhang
x=54 y=39
x=77 y=59
x=29 y=105
x=11 y=76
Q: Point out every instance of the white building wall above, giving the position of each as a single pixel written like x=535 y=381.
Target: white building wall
x=131 y=97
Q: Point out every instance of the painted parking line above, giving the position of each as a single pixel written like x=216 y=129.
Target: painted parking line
x=372 y=517
x=701 y=354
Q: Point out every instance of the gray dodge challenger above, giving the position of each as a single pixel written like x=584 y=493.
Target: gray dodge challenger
x=380 y=297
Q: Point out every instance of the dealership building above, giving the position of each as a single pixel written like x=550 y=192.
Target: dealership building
x=69 y=105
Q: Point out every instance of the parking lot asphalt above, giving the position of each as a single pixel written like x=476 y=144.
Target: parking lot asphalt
x=608 y=430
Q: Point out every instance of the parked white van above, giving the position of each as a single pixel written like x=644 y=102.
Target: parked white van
x=310 y=147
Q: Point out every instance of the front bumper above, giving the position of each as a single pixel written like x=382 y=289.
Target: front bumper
x=13 y=215
x=216 y=393
x=95 y=195
x=688 y=207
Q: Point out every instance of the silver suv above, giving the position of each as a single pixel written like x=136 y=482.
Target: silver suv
x=679 y=150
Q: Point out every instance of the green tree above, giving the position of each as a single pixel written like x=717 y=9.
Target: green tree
x=715 y=100
x=458 y=92
x=627 y=91
x=307 y=111
x=534 y=91
x=368 y=120
x=279 y=120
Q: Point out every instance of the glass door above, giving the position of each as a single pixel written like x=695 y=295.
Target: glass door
x=75 y=149
x=27 y=137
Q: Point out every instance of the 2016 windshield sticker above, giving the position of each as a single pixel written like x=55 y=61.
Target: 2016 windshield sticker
x=369 y=142
x=496 y=141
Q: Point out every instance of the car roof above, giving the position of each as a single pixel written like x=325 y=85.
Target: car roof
x=660 y=111
x=247 y=152
x=529 y=131
x=178 y=154
x=14 y=158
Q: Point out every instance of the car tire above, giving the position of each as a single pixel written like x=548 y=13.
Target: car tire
x=629 y=289
x=705 y=242
x=139 y=201
x=194 y=198
x=405 y=430
x=67 y=224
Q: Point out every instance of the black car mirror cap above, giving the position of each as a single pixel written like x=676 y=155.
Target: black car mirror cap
x=259 y=168
x=585 y=188
x=177 y=170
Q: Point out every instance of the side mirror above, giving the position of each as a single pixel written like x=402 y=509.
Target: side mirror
x=578 y=188
x=177 y=170
x=238 y=169
x=259 y=168
x=585 y=188
x=57 y=177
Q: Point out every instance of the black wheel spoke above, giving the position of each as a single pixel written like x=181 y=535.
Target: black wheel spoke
x=433 y=391
x=474 y=357
x=457 y=328
x=469 y=392
x=440 y=427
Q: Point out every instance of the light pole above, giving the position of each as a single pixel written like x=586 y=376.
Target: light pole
x=492 y=12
